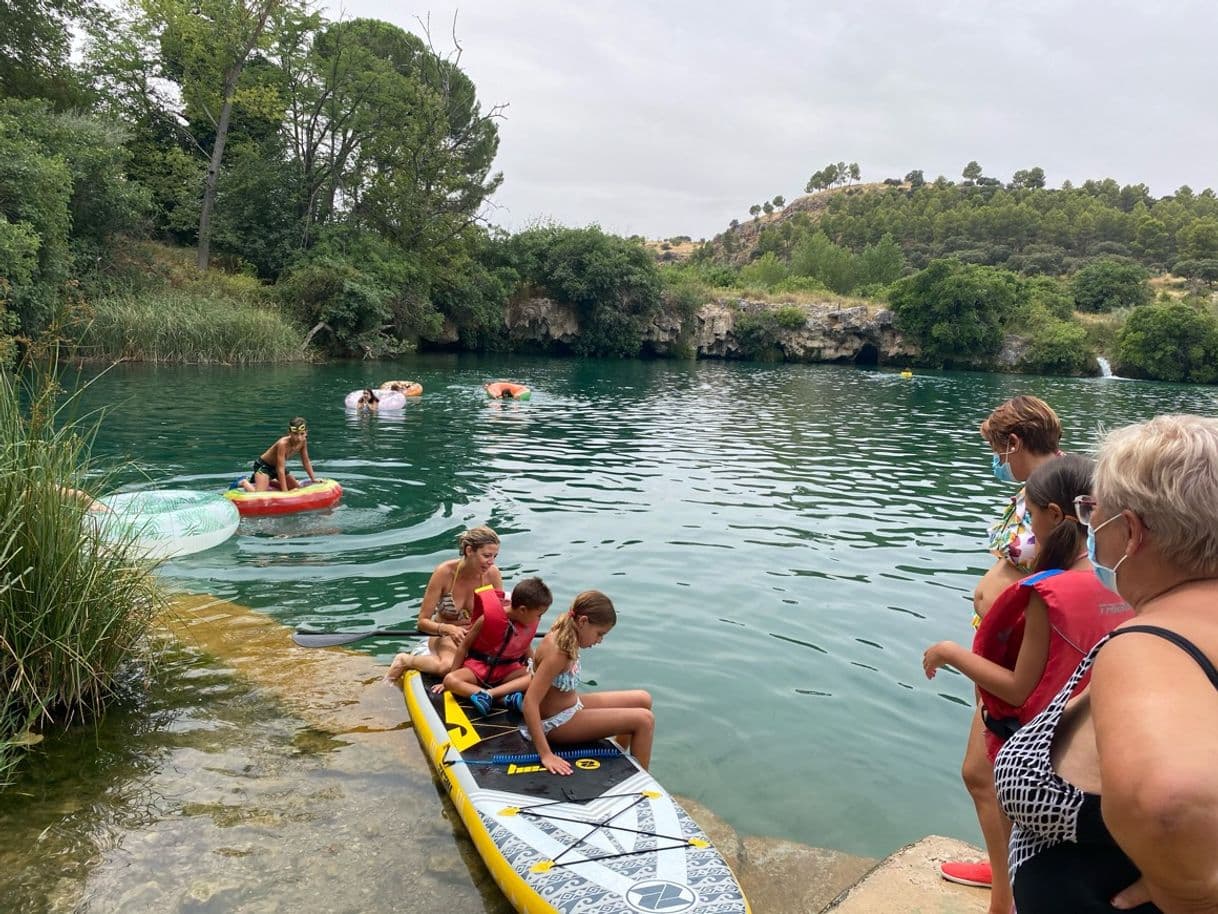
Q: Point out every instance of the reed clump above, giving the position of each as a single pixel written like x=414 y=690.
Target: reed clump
x=74 y=610
x=184 y=326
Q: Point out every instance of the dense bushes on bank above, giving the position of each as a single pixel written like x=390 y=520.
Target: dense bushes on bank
x=1169 y=341
x=612 y=282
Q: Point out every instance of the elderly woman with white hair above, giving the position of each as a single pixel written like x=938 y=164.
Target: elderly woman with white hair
x=1113 y=790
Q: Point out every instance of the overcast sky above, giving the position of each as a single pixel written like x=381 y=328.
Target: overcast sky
x=672 y=118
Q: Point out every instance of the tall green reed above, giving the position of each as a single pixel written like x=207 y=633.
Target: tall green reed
x=173 y=325
x=74 y=610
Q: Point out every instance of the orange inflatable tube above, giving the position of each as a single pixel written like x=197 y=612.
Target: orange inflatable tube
x=507 y=390
x=405 y=388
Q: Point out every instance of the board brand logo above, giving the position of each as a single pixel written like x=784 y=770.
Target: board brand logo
x=656 y=895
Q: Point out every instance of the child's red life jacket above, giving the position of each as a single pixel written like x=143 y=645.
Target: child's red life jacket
x=1081 y=611
x=501 y=642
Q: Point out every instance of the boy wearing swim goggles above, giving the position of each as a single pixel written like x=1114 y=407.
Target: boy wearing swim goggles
x=270 y=470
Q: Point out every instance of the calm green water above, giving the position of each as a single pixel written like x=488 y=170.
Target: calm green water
x=782 y=542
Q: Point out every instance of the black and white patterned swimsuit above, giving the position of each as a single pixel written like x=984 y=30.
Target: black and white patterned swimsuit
x=1063 y=858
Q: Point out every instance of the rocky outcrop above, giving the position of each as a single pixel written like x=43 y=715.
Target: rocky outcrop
x=736 y=328
x=541 y=321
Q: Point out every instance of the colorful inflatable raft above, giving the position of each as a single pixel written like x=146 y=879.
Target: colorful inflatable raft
x=321 y=494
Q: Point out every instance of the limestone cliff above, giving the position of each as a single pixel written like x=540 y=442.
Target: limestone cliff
x=829 y=332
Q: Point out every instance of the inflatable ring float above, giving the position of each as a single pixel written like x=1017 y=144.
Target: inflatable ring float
x=321 y=494
x=165 y=523
x=405 y=388
x=507 y=390
x=386 y=399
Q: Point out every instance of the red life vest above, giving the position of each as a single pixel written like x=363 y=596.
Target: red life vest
x=1081 y=611
x=500 y=642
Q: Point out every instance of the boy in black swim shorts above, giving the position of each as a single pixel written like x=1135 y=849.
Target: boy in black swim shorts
x=270 y=468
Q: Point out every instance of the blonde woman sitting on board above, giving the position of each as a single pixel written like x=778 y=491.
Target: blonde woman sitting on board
x=448 y=602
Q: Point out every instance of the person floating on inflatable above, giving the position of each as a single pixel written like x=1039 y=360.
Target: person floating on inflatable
x=368 y=400
x=271 y=466
x=507 y=390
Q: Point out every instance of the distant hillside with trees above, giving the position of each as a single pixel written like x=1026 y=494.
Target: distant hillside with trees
x=973 y=265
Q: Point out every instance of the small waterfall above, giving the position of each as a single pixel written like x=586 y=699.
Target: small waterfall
x=1105 y=368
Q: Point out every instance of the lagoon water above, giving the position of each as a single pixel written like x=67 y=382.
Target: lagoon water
x=782 y=542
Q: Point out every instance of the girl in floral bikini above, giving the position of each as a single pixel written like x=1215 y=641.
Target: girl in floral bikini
x=448 y=601
x=554 y=713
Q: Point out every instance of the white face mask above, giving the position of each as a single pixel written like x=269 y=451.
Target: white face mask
x=1107 y=576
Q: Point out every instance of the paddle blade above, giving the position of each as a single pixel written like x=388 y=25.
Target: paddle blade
x=334 y=639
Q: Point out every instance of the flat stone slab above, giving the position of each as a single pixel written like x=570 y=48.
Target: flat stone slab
x=908 y=881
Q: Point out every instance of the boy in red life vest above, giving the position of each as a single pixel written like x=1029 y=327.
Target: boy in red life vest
x=492 y=662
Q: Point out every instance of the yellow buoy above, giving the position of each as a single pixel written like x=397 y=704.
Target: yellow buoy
x=907 y=373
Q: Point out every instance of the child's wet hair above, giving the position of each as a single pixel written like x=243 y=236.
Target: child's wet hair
x=591 y=605
x=531 y=593
x=298 y=424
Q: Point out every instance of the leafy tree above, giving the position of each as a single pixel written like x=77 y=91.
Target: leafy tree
x=779 y=201
x=954 y=311
x=1108 y=284
x=613 y=283
x=767 y=207
x=63 y=195
x=972 y=171
x=1057 y=347
x=855 y=174
x=1028 y=178
x=1152 y=240
x=766 y=271
x=734 y=224
x=755 y=210
x=818 y=257
x=35 y=46
x=880 y=263
x=1169 y=341
x=1204 y=270
x=1199 y=241
x=828 y=176
x=915 y=179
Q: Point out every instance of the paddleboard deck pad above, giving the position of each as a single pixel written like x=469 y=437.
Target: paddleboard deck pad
x=608 y=839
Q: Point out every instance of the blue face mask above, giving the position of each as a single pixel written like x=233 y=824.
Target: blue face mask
x=1106 y=575
x=1002 y=471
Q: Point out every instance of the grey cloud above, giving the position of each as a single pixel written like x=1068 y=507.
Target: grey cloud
x=673 y=119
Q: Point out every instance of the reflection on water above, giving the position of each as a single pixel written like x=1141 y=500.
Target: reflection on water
x=792 y=536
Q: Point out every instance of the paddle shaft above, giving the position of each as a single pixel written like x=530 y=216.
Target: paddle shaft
x=334 y=639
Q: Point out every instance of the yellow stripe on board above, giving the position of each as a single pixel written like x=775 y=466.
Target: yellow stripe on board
x=461 y=733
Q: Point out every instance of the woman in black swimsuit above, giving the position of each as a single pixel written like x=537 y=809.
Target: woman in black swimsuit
x=1112 y=790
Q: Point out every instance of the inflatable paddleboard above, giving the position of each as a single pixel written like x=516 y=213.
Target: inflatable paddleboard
x=608 y=838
